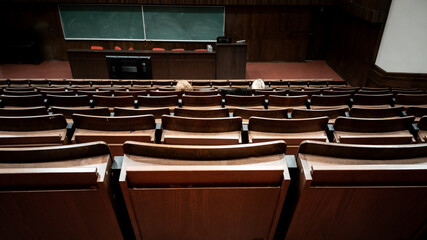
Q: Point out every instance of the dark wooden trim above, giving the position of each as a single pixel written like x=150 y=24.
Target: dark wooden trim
x=379 y=77
x=190 y=2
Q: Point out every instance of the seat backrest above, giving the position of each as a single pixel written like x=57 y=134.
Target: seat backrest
x=68 y=101
x=384 y=182
x=208 y=125
x=125 y=123
x=57 y=93
x=309 y=93
x=202 y=113
x=416 y=111
x=134 y=94
x=22 y=101
x=211 y=100
x=156 y=112
x=210 y=177
x=330 y=100
x=32 y=123
x=422 y=124
x=411 y=99
x=339 y=92
x=351 y=124
x=287 y=125
x=201 y=93
x=158 y=101
x=313 y=113
x=178 y=49
x=68 y=112
x=287 y=101
x=18 y=93
x=267 y=93
x=376 y=113
x=234 y=100
x=367 y=92
x=166 y=93
x=119 y=101
x=247 y=113
x=372 y=99
x=46 y=181
x=92 y=93
x=32 y=111
x=158 y=49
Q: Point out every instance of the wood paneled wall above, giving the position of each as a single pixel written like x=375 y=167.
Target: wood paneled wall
x=346 y=33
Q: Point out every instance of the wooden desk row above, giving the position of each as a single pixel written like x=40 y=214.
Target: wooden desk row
x=47 y=130
x=214 y=192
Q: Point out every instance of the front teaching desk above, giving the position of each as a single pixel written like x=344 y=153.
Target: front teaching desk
x=227 y=62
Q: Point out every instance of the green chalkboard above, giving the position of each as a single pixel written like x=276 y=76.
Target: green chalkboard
x=103 y=22
x=171 y=23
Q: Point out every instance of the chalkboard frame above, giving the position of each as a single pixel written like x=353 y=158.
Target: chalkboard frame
x=143 y=24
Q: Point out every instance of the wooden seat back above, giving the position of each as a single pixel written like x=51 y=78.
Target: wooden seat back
x=243 y=101
x=202 y=113
x=18 y=93
x=125 y=123
x=68 y=112
x=158 y=101
x=247 y=113
x=93 y=92
x=372 y=99
x=287 y=125
x=134 y=94
x=108 y=101
x=351 y=124
x=309 y=93
x=330 y=100
x=313 y=113
x=202 y=101
x=368 y=92
x=166 y=93
x=287 y=101
x=416 y=111
x=422 y=124
x=68 y=101
x=31 y=111
x=208 y=125
x=156 y=112
x=57 y=93
x=22 y=101
x=376 y=113
x=207 y=181
x=268 y=93
x=46 y=181
x=338 y=92
x=32 y=123
x=201 y=93
x=386 y=183
x=411 y=99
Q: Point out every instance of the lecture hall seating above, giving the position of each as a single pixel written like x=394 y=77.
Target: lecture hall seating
x=201 y=131
x=61 y=192
x=360 y=192
x=27 y=131
x=292 y=131
x=202 y=192
x=202 y=113
x=114 y=130
x=373 y=130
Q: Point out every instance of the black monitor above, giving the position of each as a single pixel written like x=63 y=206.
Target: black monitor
x=129 y=67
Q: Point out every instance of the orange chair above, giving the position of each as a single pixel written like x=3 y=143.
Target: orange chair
x=117 y=48
x=96 y=48
x=158 y=49
x=200 y=50
x=178 y=49
x=131 y=48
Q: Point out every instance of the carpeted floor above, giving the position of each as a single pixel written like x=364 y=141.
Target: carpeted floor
x=265 y=70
